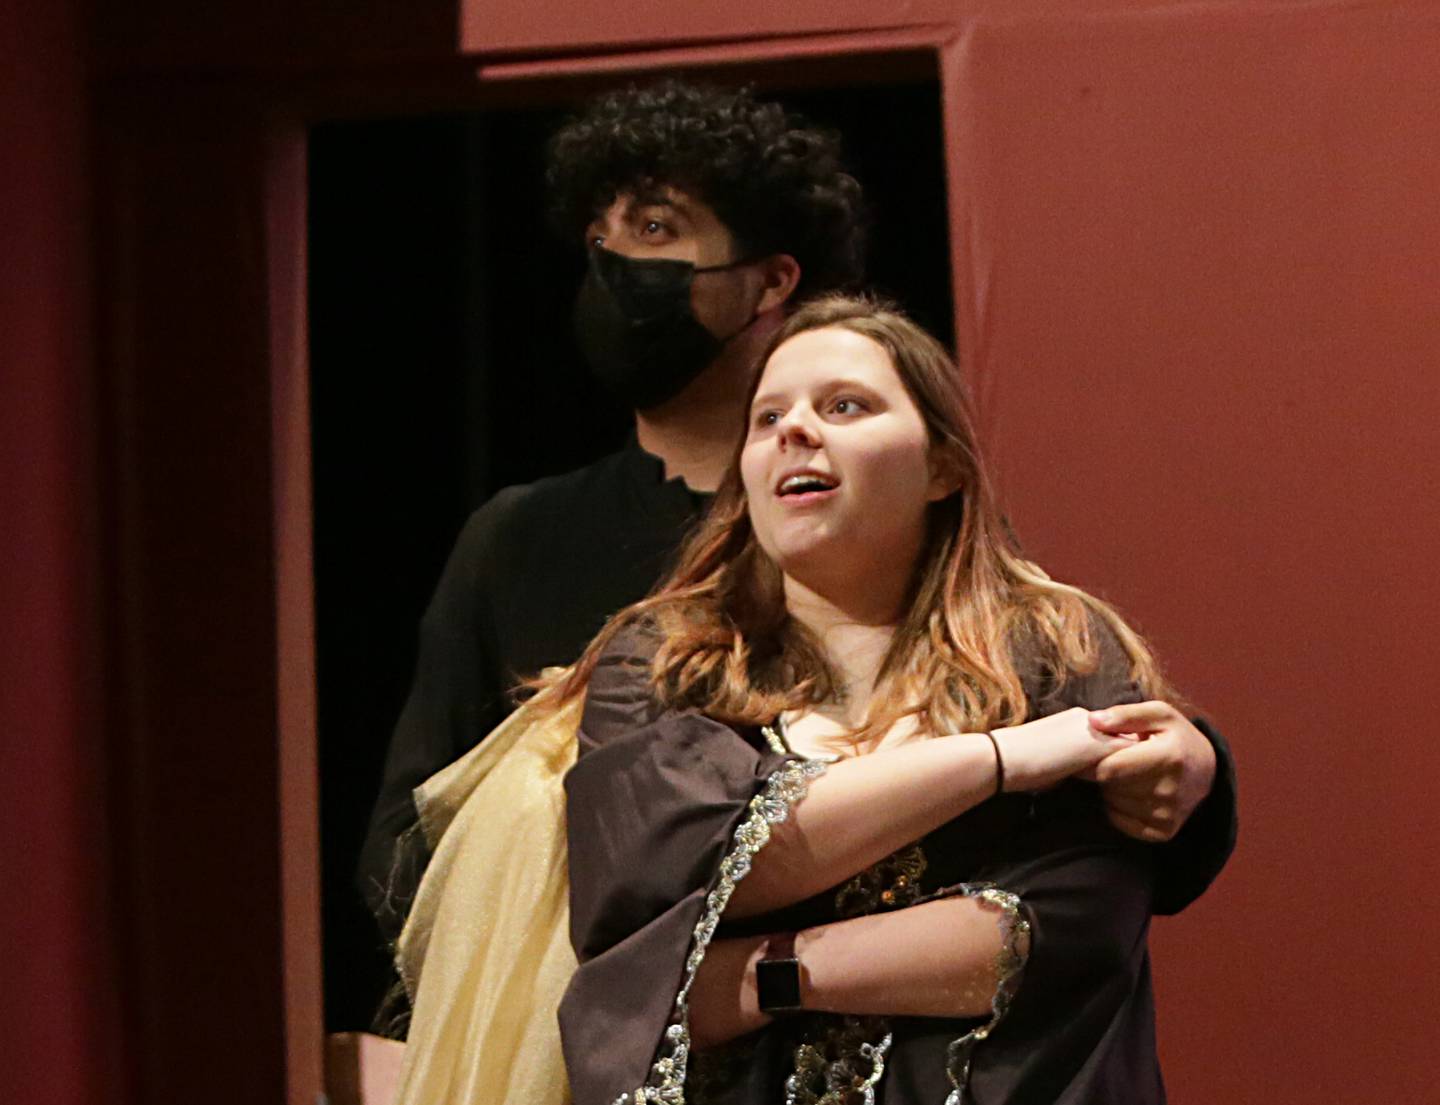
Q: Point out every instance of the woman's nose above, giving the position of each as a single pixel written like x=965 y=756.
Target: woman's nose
x=797 y=431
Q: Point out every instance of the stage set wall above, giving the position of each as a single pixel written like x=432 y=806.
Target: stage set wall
x=58 y=1022
x=1196 y=257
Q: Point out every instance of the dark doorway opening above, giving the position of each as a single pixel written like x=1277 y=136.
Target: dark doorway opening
x=443 y=369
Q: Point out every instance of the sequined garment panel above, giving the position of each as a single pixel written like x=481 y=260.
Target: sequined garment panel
x=782 y=791
x=840 y=1060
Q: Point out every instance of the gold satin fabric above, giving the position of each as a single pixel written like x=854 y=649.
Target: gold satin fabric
x=490 y=923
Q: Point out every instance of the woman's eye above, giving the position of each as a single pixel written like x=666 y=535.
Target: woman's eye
x=597 y=240
x=654 y=226
x=767 y=418
x=847 y=406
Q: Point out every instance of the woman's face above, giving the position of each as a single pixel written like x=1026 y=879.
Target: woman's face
x=836 y=462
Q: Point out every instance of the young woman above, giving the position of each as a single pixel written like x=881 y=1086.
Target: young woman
x=829 y=837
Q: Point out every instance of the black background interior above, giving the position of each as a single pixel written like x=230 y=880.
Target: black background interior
x=443 y=369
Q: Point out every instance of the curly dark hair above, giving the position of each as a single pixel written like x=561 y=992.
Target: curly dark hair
x=773 y=179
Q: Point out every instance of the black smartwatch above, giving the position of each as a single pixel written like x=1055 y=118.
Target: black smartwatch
x=777 y=976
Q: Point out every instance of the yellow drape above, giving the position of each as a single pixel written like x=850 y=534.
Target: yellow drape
x=490 y=923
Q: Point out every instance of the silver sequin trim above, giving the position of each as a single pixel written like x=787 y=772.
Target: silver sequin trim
x=1009 y=963
x=844 y=1084
x=786 y=787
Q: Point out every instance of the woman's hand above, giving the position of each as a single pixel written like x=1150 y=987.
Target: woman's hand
x=1041 y=753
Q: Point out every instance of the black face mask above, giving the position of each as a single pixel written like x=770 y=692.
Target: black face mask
x=636 y=329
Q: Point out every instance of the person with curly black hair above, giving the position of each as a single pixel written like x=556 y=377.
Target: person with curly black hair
x=776 y=183
x=705 y=212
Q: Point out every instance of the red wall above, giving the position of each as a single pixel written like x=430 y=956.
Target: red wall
x=1203 y=260
x=59 y=1022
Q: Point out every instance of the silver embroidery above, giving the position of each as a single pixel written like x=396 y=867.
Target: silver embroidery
x=786 y=787
x=841 y=1066
x=1009 y=963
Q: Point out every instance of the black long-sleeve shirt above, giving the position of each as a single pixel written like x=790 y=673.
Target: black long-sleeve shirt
x=532 y=578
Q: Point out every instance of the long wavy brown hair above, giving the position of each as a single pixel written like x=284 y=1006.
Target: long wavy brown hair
x=979 y=615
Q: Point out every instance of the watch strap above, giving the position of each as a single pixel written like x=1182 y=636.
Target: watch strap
x=777 y=976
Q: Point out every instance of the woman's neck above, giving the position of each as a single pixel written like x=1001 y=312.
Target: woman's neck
x=855 y=637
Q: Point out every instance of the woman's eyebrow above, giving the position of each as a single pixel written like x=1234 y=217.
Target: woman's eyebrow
x=840 y=383
x=762 y=400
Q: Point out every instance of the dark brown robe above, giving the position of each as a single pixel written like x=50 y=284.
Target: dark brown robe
x=654 y=803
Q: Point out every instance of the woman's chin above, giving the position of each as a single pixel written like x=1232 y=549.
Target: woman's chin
x=812 y=563
x=799 y=550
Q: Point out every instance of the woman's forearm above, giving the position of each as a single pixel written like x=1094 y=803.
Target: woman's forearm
x=863 y=809
x=941 y=959
x=860 y=811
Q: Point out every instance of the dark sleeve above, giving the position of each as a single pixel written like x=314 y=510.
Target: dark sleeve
x=456 y=697
x=1189 y=862
x=663 y=812
x=1081 y=1026
x=1108 y=684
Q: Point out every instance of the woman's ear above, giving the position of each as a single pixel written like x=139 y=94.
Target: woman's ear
x=946 y=475
x=780 y=274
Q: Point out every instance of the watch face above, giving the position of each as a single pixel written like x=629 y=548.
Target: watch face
x=777 y=982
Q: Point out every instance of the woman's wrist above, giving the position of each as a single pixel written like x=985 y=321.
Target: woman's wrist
x=779 y=975
x=724 y=1001
x=999 y=763
x=980 y=768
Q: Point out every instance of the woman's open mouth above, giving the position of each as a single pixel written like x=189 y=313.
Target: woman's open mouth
x=807 y=485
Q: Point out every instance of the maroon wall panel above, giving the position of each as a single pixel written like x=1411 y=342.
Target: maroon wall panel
x=1200 y=261
x=186 y=356
x=60 y=1026
x=525 y=27
x=189 y=39
x=299 y=782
